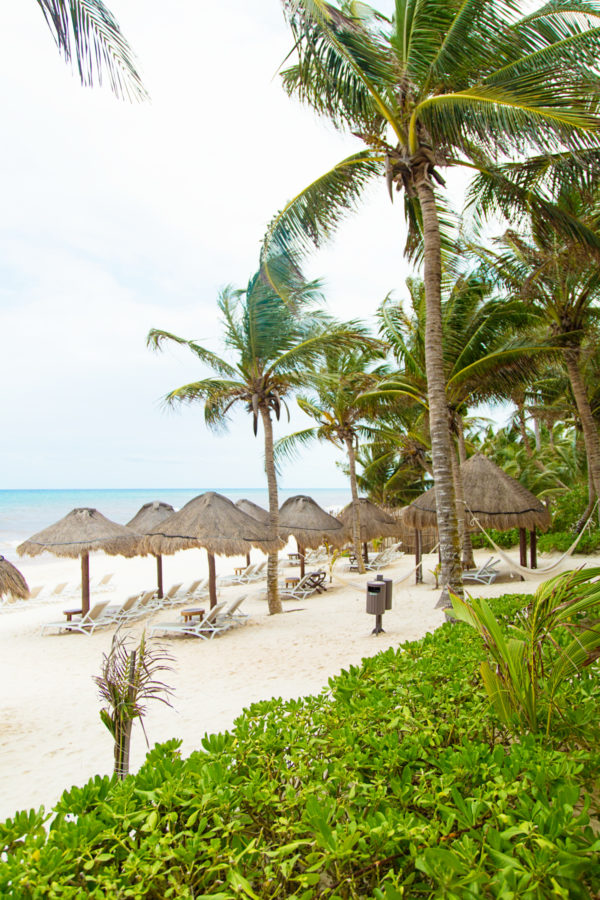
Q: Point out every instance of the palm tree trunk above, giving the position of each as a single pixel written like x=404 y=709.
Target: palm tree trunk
x=467 y=547
x=439 y=426
x=355 y=506
x=590 y=433
x=273 y=598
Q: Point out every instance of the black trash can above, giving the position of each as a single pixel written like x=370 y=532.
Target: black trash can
x=376 y=598
x=389 y=586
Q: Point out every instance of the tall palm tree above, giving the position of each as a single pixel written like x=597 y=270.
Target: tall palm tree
x=488 y=350
x=87 y=33
x=337 y=405
x=443 y=83
x=561 y=278
x=273 y=343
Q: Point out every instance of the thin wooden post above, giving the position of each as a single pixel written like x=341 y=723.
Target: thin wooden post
x=85 y=583
x=533 y=549
x=212 y=579
x=159 y=576
x=366 y=551
x=302 y=560
x=247 y=560
x=418 y=558
x=523 y=548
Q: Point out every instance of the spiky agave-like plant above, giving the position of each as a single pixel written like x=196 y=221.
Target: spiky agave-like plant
x=128 y=679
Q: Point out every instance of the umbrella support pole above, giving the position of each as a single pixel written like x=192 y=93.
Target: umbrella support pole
x=523 y=548
x=302 y=560
x=533 y=549
x=247 y=560
x=159 y=576
x=418 y=558
x=212 y=579
x=366 y=552
x=85 y=583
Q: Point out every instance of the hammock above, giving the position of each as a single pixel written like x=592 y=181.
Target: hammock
x=361 y=587
x=523 y=570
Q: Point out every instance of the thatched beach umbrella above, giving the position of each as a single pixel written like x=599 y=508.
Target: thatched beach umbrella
x=302 y=517
x=148 y=517
x=494 y=498
x=12 y=582
x=215 y=523
x=256 y=512
x=374 y=521
x=78 y=534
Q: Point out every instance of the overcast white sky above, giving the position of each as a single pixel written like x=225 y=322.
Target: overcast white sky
x=116 y=218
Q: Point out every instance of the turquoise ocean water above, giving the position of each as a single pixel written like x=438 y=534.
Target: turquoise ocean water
x=22 y=513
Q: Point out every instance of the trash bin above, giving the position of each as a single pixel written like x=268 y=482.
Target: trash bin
x=389 y=586
x=376 y=597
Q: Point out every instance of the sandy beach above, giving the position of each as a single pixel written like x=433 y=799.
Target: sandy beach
x=51 y=736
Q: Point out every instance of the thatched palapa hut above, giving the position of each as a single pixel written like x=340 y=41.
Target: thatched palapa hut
x=303 y=518
x=12 y=582
x=78 y=534
x=374 y=522
x=255 y=512
x=215 y=523
x=496 y=499
x=146 y=518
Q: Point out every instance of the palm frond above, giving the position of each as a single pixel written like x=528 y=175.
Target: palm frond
x=156 y=338
x=289 y=447
x=87 y=34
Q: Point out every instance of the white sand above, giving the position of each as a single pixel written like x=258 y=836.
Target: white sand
x=50 y=732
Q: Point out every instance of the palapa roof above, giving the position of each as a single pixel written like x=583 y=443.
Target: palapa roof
x=12 y=582
x=495 y=498
x=213 y=522
x=302 y=517
x=374 y=521
x=149 y=516
x=253 y=509
x=81 y=531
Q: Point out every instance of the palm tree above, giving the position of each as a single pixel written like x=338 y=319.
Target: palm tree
x=274 y=344
x=489 y=350
x=337 y=406
x=87 y=33
x=561 y=279
x=443 y=83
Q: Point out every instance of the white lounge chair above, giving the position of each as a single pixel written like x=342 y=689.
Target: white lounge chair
x=231 y=613
x=171 y=598
x=205 y=629
x=485 y=574
x=312 y=583
x=240 y=578
x=97 y=617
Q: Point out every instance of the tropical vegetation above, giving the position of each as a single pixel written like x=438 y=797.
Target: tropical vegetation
x=397 y=780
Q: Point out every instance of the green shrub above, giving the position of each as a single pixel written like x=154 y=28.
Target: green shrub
x=569 y=507
x=504 y=539
x=396 y=781
x=560 y=541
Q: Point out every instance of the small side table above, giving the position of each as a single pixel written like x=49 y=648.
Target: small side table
x=291 y=581
x=239 y=569
x=69 y=613
x=188 y=614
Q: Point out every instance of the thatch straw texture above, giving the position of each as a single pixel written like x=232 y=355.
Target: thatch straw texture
x=81 y=531
x=213 y=522
x=12 y=583
x=497 y=500
x=149 y=516
x=254 y=510
x=374 y=521
x=303 y=518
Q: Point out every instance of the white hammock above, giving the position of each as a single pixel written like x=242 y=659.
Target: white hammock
x=361 y=587
x=523 y=570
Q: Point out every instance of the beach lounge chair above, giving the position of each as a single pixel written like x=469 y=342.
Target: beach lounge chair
x=485 y=574
x=36 y=591
x=57 y=590
x=312 y=583
x=206 y=628
x=232 y=614
x=380 y=561
x=259 y=572
x=97 y=617
x=241 y=578
x=171 y=598
x=104 y=583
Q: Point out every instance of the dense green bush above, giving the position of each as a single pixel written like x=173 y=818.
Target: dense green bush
x=505 y=539
x=568 y=508
x=560 y=541
x=394 y=782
